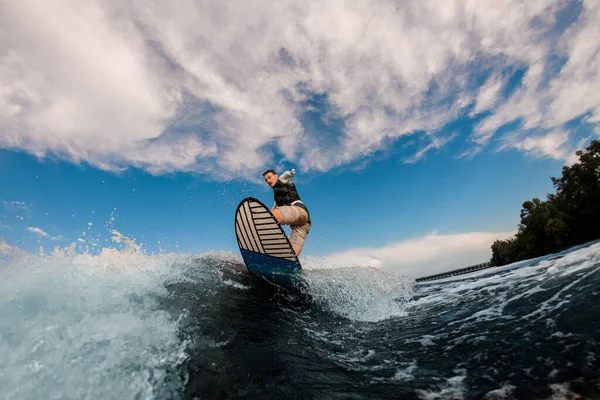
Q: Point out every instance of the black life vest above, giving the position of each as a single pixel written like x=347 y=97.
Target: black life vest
x=285 y=194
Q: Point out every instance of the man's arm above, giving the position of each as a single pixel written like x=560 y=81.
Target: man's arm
x=287 y=175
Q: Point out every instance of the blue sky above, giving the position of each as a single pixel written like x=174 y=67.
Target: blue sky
x=416 y=129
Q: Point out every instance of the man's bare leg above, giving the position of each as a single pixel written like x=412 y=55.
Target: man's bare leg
x=297 y=249
x=278 y=216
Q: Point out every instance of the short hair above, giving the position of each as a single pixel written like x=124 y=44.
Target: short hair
x=269 y=170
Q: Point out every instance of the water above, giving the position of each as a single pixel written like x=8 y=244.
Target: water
x=125 y=325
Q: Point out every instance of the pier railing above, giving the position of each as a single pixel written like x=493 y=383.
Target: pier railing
x=455 y=272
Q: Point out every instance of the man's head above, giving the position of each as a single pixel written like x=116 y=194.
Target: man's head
x=271 y=177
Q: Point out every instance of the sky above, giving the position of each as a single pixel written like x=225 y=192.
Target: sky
x=416 y=128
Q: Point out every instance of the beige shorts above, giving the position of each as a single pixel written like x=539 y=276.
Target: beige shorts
x=297 y=219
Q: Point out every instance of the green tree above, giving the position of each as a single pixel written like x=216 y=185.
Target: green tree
x=543 y=228
x=578 y=195
x=569 y=217
x=504 y=251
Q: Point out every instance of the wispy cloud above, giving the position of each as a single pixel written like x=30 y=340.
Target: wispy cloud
x=13 y=203
x=42 y=233
x=488 y=95
x=204 y=87
x=436 y=143
x=425 y=255
x=15 y=206
x=551 y=145
x=37 y=231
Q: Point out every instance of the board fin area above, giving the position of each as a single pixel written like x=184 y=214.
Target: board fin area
x=265 y=247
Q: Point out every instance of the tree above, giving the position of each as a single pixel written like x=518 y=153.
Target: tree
x=569 y=217
x=578 y=195
x=504 y=251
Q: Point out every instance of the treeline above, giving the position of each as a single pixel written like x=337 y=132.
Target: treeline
x=569 y=217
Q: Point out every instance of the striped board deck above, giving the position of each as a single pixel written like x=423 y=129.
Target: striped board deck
x=265 y=248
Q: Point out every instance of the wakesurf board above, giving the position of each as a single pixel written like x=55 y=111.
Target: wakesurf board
x=265 y=247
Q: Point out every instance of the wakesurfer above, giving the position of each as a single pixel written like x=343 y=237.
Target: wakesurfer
x=289 y=208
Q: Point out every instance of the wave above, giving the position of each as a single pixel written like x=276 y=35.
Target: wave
x=125 y=324
x=86 y=325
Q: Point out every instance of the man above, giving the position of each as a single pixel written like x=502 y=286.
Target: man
x=288 y=208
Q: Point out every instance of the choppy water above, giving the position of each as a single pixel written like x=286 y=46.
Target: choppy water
x=124 y=325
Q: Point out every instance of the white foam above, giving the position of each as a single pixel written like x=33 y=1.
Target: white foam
x=454 y=388
x=360 y=293
x=368 y=294
x=576 y=255
x=236 y=285
x=504 y=392
x=405 y=374
x=562 y=392
x=550 y=284
x=533 y=275
x=317 y=263
x=88 y=326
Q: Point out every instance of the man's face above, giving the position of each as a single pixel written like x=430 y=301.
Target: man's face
x=271 y=179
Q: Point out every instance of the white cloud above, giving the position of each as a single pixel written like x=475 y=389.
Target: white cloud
x=37 y=231
x=13 y=203
x=15 y=206
x=427 y=255
x=575 y=88
x=568 y=95
x=207 y=87
x=551 y=145
x=436 y=143
x=42 y=233
x=487 y=96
